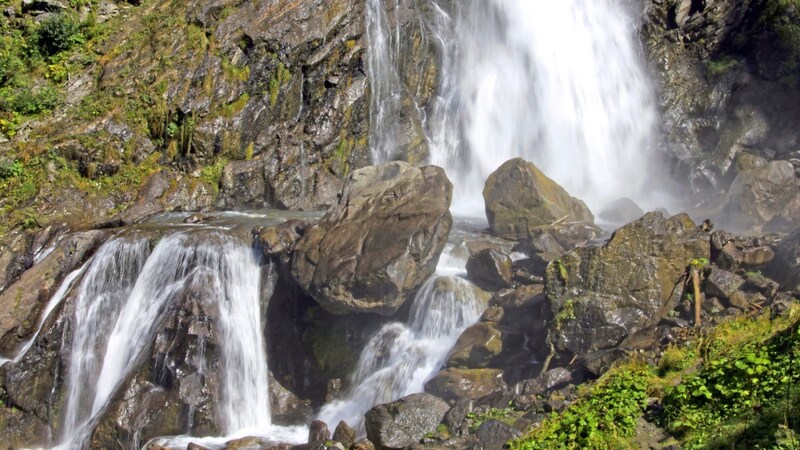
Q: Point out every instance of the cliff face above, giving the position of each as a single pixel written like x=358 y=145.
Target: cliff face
x=728 y=86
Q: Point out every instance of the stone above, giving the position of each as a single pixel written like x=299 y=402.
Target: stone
x=493 y=434
x=723 y=284
x=490 y=269
x=381 y=240
x=318 y=432
x=785 y=267
x=19 y=429
x=404 y=422
x=166 y=191
x=21 y=303
x=454 y=418
x=621 y=211
x=286 y=408
x=243 y=185
x=193 y=446
x=519 y=198
x=454 y=384
x=476 y=347
x=344 y=434
x=363 y=444
x=493 y=314
x=599 y=295
x=763 y=199
x=757 y=257
x=279 y=240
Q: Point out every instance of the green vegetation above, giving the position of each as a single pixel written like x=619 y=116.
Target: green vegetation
x=506 y=415
x=736 y=386
x=213 y=172
x=280 y=76
x=603 y=418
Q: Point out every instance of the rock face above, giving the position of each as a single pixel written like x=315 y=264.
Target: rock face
x=785 y=268
x=22 y=302
x=380 y=241
x=476 y=346
x=600 y=295
x=765 y=198
x=404 y=422
x=167 y=191
x=519 y=198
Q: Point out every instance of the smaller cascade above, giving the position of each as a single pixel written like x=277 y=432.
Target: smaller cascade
x=400 y=358
x=122 y=301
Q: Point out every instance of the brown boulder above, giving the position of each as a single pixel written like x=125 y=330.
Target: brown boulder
x=519 y=198
x=379 y=242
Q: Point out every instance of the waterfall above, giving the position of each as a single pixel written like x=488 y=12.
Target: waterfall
x=560 y=83
x=120 y=304
x=400 y=358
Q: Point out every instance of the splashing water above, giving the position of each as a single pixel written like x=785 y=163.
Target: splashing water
x=124 y=295
x=400 y=358
x=559 y=83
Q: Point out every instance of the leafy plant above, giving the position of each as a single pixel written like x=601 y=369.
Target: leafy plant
x=58 y=33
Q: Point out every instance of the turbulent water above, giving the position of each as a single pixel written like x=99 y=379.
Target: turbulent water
x=560 y=83
x=401 y=357
x=119 y=306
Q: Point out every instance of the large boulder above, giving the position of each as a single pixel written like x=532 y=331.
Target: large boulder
x=404 y=422
x=476 y=346
x=520 y=198
x=490 y=269
x=600 y=295
x=785 y=268
x=763 y=199
x=379 y=242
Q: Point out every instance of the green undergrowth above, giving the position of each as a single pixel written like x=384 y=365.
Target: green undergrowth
x=736 y=386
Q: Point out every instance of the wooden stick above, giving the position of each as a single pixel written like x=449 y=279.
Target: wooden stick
x=697 y=294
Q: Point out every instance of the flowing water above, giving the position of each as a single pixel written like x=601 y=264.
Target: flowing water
x=559 y=83
x=119 y=308
x=401 y=357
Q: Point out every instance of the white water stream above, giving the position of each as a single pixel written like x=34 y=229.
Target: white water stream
x=559 y=83
x=401 y=357
x=119 y=308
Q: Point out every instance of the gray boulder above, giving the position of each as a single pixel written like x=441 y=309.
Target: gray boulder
x=379 y=242
x=404 y=422
x=490 y=269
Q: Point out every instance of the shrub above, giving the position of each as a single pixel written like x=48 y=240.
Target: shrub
x=58 y=33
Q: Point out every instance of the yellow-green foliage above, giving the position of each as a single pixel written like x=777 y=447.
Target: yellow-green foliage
x=602 y=419
x=213 y=172
x=280 y=76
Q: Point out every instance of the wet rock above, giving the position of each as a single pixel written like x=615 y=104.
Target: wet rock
x=166 y=191
x=279 y=240
x=199 y=218
x=763 y=199
x=381 y=241
x=476 y=347
x=285 y=407
x=493 y=314
x=244 y=442
x=193 y=446
x=490 y=269
x=723 y=284
x=757 y=257
x=519 y=198
x=14 y=258
x=344 y=434
x=404 y=422
x=454 y=384
x=621 y=211
x=493 y=434
x=785 y=268
x=600 y=295
x=22 y=302
x=318 y=432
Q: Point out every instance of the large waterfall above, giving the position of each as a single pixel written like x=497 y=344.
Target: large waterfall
x=559 y=83
x=120 y=304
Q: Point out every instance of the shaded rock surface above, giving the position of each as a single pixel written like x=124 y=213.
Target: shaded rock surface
x=379 y=242
x=785 y=268
x=490 y=269
x=519 y=198
x=404 y=422
x=454 y=384
x=21 y=303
